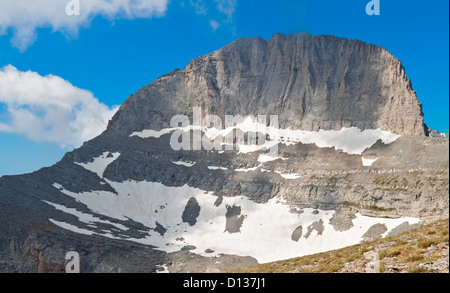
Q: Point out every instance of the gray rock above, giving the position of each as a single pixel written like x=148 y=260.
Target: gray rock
x=234 y=219
x=310 y=82
x=316 y=226
x=297 y=234
x=342 y=220
x=191 y=212
x=374 y=232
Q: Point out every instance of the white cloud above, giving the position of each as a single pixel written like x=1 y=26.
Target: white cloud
x=200 y=7
x=23 y=17
x=227 y=7
x=49 y=108
x=214 y=24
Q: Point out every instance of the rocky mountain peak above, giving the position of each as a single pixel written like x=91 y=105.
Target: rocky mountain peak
x=310 y=82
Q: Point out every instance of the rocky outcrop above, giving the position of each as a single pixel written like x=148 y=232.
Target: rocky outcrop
x=435 y=133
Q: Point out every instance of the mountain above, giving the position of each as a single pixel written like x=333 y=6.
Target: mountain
x=328 y=148
x=311 y=82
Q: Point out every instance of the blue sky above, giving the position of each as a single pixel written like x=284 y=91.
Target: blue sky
x=105 y=54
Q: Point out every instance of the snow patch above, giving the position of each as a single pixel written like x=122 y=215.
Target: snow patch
x=217 y=168
x=248 y=169
x=182 y=163
x=72 y=228
x=164 y=271
x=153 y=133
x=85 y=218
x=100 y=163
x=267 y=158
x=288 y=176
x=367 y=162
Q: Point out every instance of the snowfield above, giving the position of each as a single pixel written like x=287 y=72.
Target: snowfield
x=264 y=231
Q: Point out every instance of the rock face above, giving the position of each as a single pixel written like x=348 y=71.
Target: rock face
x=127 y=201
x=310 y=82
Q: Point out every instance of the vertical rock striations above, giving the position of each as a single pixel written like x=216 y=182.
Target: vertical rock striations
x=311 y=82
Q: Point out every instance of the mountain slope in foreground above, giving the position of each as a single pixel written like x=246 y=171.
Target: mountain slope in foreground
x=353 y=163
x=420 y=250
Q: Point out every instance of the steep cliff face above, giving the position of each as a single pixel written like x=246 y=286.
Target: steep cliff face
x=310 y=82
x=353 y=160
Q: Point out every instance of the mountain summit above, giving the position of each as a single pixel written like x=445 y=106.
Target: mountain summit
x=345 y=158
x=310 y=82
